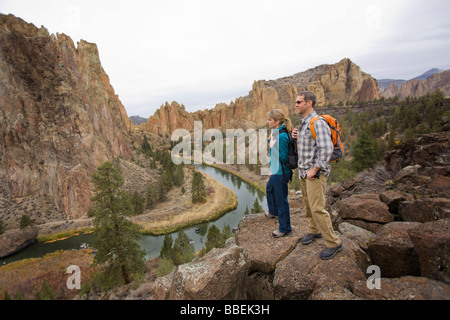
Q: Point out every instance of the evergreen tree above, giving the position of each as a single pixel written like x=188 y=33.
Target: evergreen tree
x=214 y=238
x=226 y=234
x=151 y=197
x=256 y=207
x=363 y=153
x=162 y=190
x=46 y=292
x=166 y=249
x=146 y=148
x=6 y=296
x=178 y=177
x=137 y=202
x=391 y=140
x=183 y=250
x=198 y=188
x=117 y=247
x=25 y=221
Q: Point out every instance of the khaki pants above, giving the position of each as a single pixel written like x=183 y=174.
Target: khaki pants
x=319 y=220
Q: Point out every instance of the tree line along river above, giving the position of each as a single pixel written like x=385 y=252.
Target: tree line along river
x=245 y=193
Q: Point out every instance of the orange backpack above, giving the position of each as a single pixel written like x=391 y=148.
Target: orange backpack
x=338 y=151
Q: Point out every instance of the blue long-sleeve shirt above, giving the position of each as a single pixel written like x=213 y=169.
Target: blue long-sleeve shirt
x=279 y=152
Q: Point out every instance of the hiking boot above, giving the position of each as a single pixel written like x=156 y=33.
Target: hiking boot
x=329 y=253
x=279 y=234
x=269 y=216
x=310 y=237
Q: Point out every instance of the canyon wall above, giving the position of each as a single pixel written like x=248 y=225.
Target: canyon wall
x=418 y=88
x=338 y=83
x=59 y=118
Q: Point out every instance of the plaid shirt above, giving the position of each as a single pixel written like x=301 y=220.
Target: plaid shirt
x=314 y=153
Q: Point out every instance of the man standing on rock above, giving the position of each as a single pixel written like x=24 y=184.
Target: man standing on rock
x=314 y=168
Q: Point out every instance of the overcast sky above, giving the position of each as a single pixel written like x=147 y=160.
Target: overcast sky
x=203 y=52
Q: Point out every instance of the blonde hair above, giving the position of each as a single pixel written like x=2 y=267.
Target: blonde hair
x=278 y=115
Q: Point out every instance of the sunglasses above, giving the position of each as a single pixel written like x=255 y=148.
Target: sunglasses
x=298 y=102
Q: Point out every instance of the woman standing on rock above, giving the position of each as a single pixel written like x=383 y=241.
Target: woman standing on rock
x=277 y=186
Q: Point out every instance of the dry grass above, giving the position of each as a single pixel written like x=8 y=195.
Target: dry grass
x=25 y=277
x=180 y=212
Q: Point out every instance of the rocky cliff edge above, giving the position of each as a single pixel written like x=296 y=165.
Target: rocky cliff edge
x=394 y=219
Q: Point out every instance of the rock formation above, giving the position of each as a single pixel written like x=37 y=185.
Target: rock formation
x=418 y=88
x=13 y=241
x=412 y=256
x=339 y=83
x=59 y=120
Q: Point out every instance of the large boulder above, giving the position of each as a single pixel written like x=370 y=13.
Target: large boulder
x=432 y=243
x=393 y=198
x=423 y=210
x=264 y=251
x=365 y=207
x=404 y=288
x=302 y=273
x=13 y=241
x=393 y=251
x=361 y=236
x=220 y=274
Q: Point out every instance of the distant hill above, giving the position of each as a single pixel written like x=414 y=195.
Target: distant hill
x=383 y=84
x=428 y=74
x=137 y=120
x=421 y=85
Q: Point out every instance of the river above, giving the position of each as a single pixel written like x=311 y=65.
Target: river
x=245 y=194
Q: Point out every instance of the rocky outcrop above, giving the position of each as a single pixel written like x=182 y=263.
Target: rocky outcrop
x=344 y=82
x=244 y=113
x=60 y=118
x=412 y=256
x=418 y=88
x=13 y=241
x=339 y=83
x=221 y=274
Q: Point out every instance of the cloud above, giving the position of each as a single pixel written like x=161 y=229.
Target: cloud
x=200 y=52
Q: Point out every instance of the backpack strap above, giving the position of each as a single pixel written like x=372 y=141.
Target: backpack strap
x=311 y=126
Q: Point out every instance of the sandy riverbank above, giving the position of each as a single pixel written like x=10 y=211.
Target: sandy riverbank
x=168 y=216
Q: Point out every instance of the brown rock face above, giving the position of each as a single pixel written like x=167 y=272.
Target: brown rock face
x=243 y=113
x=341 y=82
x=432 y=244
x=59 y=116
x=417 y=88
x=344 y=82
x=393 y=251
x=13 y=241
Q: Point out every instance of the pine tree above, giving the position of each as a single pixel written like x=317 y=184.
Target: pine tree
x=214 y=238
x=117 y=247
x=146 y=148
x=178 y=177
x=256 y=207
x=183 y=250
x=363 y=152
x=166 y=249
x=25 y=221
x=151 y=197
x=46 y=292
x=198 y=188
x=137 y=202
